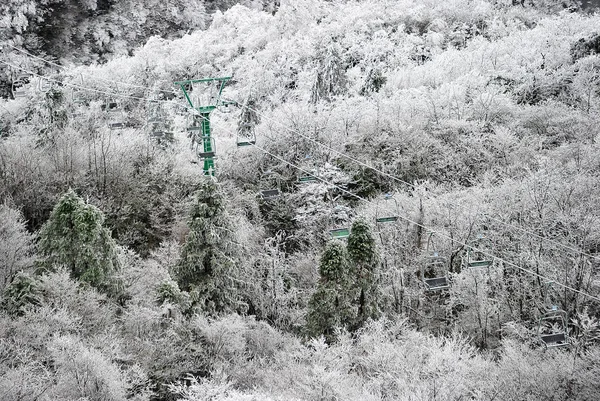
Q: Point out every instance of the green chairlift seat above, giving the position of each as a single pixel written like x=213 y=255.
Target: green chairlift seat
x=309 y=177
x=386 y=219
x=245 y=135
x=160 y=132
x=227 y=105
x=270 y=186
x=339 y=233
x=440 y=281
x=334 y=219
x=156 y=125
x=206 y=149
x=480 y=263
x=206 y=155
x=243 y=143
x=555 y=340
x=436 y=284
x=247 y=121
x=478 y=253
x=383 y=214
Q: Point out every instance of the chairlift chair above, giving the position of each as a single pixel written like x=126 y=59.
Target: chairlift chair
x=552 y=325
x=436 y=263
x=477 y=253
x=158 y=129
x=18 y=85
x=227 y=105
x=76 y=93
x=156 y=123
x=308 y=177
x=553 y=329
x=194 y=127
x=115 y=114
x=44 y=85
x=338 y=232
x=206 y=149
x=270 y=192
x=245 y=140
x=385 y=216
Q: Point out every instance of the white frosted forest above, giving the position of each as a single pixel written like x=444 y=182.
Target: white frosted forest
x=299 y=200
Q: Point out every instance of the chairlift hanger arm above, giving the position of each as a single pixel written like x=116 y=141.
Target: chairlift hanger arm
x=229 y=102
x=463 y=244
x=193 y=81
x=184 y=84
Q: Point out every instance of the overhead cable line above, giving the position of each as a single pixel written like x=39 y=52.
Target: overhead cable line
x=325 y=181
x=95 y=78
x=509 y=263
x=363 y=164
x=81 y=87
x=388 y=175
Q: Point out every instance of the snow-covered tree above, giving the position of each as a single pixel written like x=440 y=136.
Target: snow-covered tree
x=16 y=245
x=331 y=307
x=362 y=250
x=208 y=267
x=76 y=238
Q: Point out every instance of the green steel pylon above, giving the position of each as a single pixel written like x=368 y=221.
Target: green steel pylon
x=204 y=103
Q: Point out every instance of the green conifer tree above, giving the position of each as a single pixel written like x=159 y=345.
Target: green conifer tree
x=207 y=267
x=20 y=294
x=74 y=236
x=330 y=306
x=364 y=259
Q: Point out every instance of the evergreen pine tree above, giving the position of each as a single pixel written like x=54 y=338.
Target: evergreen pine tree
x=20 y=294
x=362 y=251
x=207 y=265
x=74 y=236
x=330 y=306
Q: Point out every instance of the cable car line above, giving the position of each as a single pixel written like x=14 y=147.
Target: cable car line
x=363 y=164
x=96 y=78
x=388 y=175
x=435 y=263
x=109 y=94
x=327 y=182
x=80 y=86
x=509 y=263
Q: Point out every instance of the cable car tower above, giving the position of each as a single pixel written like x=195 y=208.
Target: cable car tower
x=204 y=102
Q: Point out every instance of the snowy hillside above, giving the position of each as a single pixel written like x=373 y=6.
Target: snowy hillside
x=369 y=200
